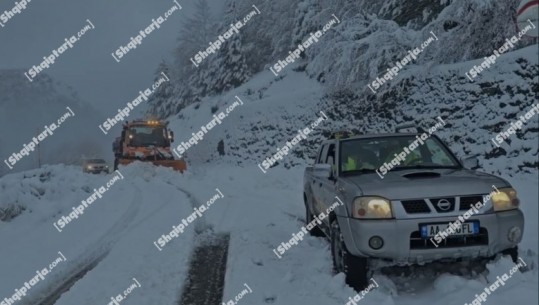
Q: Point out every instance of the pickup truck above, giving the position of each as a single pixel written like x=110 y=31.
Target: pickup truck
x=406 y=202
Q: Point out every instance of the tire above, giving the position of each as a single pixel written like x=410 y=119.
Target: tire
x=116 y=161
x=513 y=252
x=316 y=231
x=354 y=268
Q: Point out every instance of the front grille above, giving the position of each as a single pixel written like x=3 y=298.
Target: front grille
x=415 y=206
x=418 y=206
x=418 y=243
x=466 y=202
x=448 y=201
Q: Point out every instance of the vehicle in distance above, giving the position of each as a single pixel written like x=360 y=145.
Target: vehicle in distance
x=95 y=166
x=429 y=206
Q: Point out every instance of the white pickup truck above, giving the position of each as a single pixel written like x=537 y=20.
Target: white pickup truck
x=406 y=202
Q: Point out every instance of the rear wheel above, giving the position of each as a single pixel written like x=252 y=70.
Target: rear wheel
x=354 y=268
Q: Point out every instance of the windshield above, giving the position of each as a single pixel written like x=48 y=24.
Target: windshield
x=95 y=161
x=399 y=151
x=148 y=136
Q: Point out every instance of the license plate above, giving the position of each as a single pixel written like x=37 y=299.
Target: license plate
x=467 y=228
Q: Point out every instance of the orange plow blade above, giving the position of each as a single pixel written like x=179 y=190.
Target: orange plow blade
x=177 y=165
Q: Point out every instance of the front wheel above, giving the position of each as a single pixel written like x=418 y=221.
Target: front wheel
x=354 y=268
x=513 y=253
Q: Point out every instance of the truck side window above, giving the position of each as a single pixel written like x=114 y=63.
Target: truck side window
x=323 y=154
x=330 y=159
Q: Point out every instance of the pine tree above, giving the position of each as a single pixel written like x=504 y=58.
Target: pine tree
x=164 y=95
x=231 y=12
x=230 y=69
x=196 y=31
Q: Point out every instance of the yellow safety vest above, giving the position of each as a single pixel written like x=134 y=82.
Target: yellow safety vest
x=350 y=164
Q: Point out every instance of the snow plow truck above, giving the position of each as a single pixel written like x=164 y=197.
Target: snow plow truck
x=146 y=141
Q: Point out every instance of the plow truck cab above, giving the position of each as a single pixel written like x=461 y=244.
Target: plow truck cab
x=146 y=141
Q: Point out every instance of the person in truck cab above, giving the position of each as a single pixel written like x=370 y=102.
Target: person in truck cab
x=396 y=147
x=350 y=163
x=358 y=159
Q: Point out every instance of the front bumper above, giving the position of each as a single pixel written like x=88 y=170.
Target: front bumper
x=402 y=245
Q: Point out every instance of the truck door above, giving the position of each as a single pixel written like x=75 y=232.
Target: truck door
x=327 y=186
x=316 y=183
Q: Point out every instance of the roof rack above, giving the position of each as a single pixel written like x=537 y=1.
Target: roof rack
x=408 y=128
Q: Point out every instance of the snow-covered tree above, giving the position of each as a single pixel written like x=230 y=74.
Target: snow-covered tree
x=370 y=38
x=229 y=69
x=164 y=95
x=196 y=31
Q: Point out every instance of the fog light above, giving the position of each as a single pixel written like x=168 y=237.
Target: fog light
x=514 y=234
x=376 y=242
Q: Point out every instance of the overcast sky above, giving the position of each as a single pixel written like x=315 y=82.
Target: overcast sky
x=89 y=67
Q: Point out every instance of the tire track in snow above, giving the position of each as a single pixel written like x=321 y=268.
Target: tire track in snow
x=205 y=281
x=200 y=223
x=97 y=252
x=70 y=281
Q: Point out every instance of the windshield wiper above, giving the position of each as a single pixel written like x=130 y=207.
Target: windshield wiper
x=420 y=166
x=358 y=171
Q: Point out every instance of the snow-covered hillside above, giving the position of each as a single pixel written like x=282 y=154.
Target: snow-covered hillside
x=275 y=108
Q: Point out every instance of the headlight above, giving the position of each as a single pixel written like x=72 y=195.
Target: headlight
x=505 y=200
x=371 y=207
x=89 y=167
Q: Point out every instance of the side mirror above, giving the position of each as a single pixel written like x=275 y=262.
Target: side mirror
x=322 y=170
x=470 y=162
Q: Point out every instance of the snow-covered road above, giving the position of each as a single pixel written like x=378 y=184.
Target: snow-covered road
x=258 y=213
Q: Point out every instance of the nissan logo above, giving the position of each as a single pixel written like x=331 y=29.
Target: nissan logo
x=444 y=204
